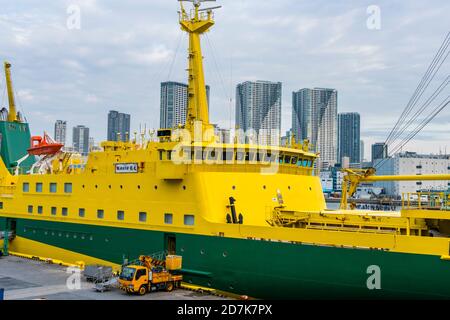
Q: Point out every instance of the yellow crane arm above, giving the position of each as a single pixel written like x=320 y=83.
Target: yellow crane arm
x=12 y=113
x=354 y=177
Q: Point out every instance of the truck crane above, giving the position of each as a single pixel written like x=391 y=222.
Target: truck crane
x=149 y=274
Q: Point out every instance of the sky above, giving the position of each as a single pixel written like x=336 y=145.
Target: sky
x=116 y=54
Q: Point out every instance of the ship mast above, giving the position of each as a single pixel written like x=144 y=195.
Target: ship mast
x=195 y=24
x=12 y=113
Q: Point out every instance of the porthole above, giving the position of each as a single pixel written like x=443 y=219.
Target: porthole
x=182 y=249
x=109 y=186
x=91 y=238
x=190 y=281
x=156 y=187
x=139 y=186
x=202 y=252
x=184 y=187
x=233 y=187
x=96 y=186
x=231 y=287
x=264 y=187
x=225 y=254
x=60 y=234
x=209 y=284
x=53 y=233
x=82 y=186
x=82 y=237
x=106 y=240
x=289 y=187
x=121 y=186
x=310 y=188
x=74 y=236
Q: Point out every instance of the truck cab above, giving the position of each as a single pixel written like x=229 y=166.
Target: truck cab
x=134 y=279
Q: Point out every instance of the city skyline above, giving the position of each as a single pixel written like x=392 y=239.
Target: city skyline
x=374 y=70
x=118 y=123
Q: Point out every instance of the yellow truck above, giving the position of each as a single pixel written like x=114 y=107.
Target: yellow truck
x=150 y=274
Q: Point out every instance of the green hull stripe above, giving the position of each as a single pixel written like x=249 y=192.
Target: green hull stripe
x=259 y=268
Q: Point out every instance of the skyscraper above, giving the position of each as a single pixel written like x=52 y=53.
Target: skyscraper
x=80 y=139
x=258 y=108
x=361 y=148
x=118 y=123
x=349 y=142
x=174 y=100
x=314 y=117
x=60 y=131
x=379 y=151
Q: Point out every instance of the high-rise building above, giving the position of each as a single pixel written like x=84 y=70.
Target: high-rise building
x=80 y=139
x=173 y=104
x=118 y=123
x=361 y=149
x=349 y=142
x=379 y=151
x=314 y=117
x=60 y=131
x=258 y=108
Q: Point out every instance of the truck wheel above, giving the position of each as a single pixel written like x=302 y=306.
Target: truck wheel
x=142 y=290
x=169 y=287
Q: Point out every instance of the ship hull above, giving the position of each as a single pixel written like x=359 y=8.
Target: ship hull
x=261 y=269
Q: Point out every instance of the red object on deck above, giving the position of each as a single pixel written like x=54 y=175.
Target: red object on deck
x=44 y=145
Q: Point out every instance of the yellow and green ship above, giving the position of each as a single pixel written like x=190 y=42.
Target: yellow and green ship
x=246 y=218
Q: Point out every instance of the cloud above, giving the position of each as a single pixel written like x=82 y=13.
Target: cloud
x=153 y=55
x=124 y=50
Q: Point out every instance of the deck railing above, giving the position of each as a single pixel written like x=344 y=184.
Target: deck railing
x=432 y=200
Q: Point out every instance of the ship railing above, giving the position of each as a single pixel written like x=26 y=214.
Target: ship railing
x=431 y=200
x=202 y=15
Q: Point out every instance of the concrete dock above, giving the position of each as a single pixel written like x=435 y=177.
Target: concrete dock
x=25 y=279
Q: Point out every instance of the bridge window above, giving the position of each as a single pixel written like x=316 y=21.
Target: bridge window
x=100 y=213
x=212 y=155
x=64 y=211
x=240 y=156
x=120 y=215
x=30 y=209
x=38 y=186
x=39 y=209
x=53 y=187
x=168 y=218
x=81 y=212
x=53 y=211
x=67 y=187
x=142 y=216
x=227 y=155
x=294 y=160
x=189 y=219
x=198 y=154
x=287 y=159
x=26 y=187
x=1 y=205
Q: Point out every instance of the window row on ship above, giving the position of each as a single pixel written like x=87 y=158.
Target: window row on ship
x=251 y=156
x=188 y=219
